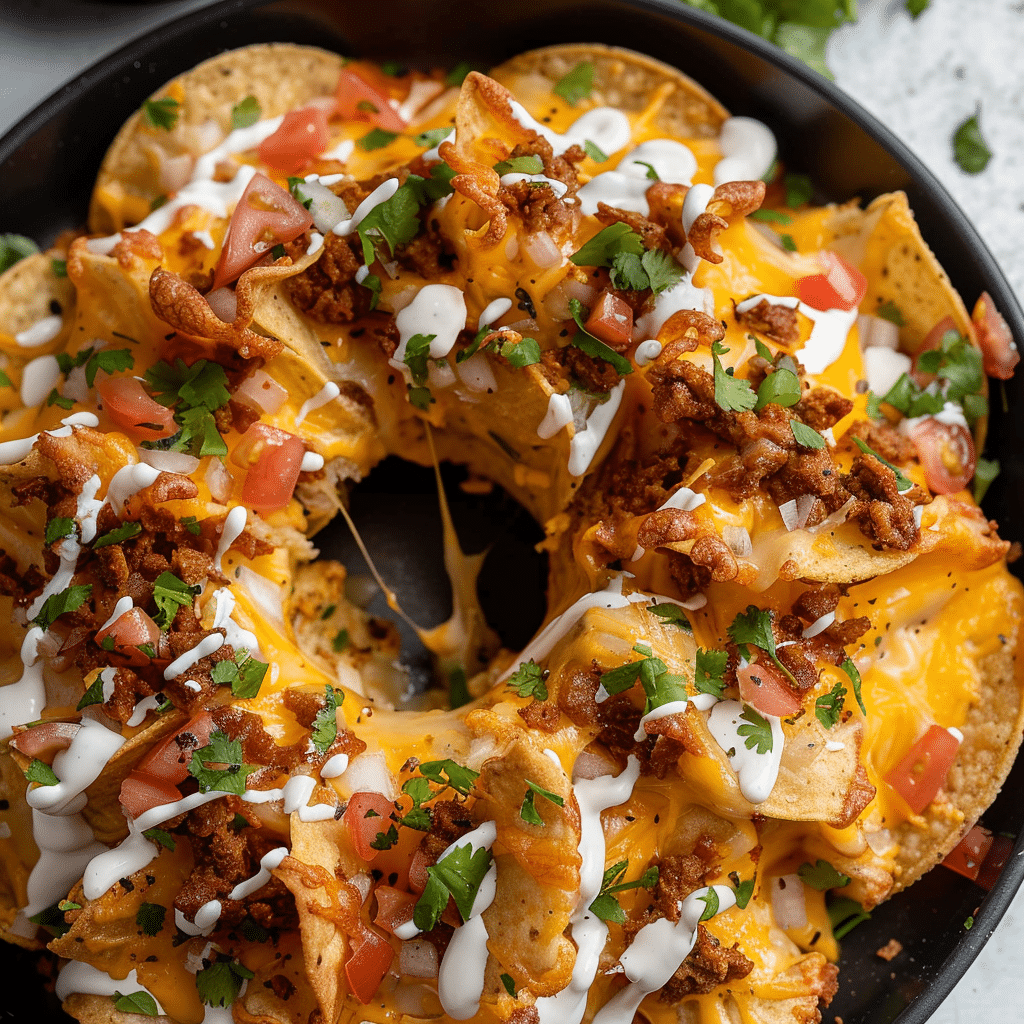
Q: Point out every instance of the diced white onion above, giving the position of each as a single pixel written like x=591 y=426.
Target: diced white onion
x=224 y=304
x=789 y=514
x=261 y=391
x=738 y=539
x=175 y=171
x=876 y=332
x=415 y=1000
x=796 y=511
x=883 y=367
x=327 y=209
x=526 y=327
x=418 y=959
x=880 y=842
x=169 y=462
x=363 y=882
x=368 y=773
x=512 y=247
x=264 y=592
x=218 y=479
x=556 y=302
x=592 y=766
x=541 y=248
x=788 y=902
x=201 y=138
x=837 y=517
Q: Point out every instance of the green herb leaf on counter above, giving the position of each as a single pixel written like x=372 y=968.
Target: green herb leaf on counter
x=325 y=724
x=577 y=84
x=731 y=394
x=757 y=731
x=829 y=706
x=854 y=675
x=56 y=605
x=984 y=473
x=150 y=917
x=40 y=772
x=162 y=113
x=220 y=983
x=219 y=765
x=528 y=681
x=245 y=113
x=821 y=876
x=13 y=249
x=969 y=148
x=141 y=1003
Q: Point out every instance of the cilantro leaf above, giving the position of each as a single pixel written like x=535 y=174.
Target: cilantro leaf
x=595 y=152
x=136 y=1002
x=458 y=875
x=56 y=605
x=340 y=641
x=58 y=528
x=984 y=473
x=219 y=765
x=709 y=671
x=844 y=915
x=245 y=113
x=771 y=217
x=110 y=360
x=325 y=725
x=528 y=681
x=902 y=483
x=787 y=243
x=93 y=695
x=432 y=136
x=652 y=174
x=754 y=626
x=851 y=670
x=619 y=679
x=191 y=523
x=420 y=398
x=782 y=387
x=164 y=839
x=602 y=249
x=758 y=732
x=744 y=891
x=162 y=113
x=671 y=615
x=805 y=436
x=253 y=932
x=385 y=840
x=607 y=908
x=731 y=395
x=203 y=385
x=969 y=148
x=417 y=352
x=821 y=876
x=14 y=248
x=150 y=917
x=450 y=773
x=394 y=222
x=915 y=8
x=799 y=190
x=170 y=594
x=41 y=773
x=528 y=811
x=56 y=398
x=457 y=75
x=891 y=312
x=5 y=381
x=711 y=903
x=522 y=353
x=220 y=983
x=628 y=272
x=592 y=346
x=376 y=138
x=510 y=985
x=762 y=349
x=520 y=165
x=829 y=706
x=244 y=673
x=120 y=533
x=577 y=84
x=662 y=270
x=605 y=905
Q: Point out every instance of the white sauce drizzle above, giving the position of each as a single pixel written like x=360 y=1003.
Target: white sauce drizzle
x=312 y=462
x=672 y=161
x=748 y=150
x=606 y=127
x=77 y=767
x=66 y=844
x=437 y=309
x=585 y=443
x=268 y=862
x=40 y=332
x=819 y=625
x=328 y=393
x=514 y=177
x=756 y=772
x=78 y=976
x=38 y=379
x=234 y=524
x=127 y=482
x=206 y=646
x=494 y=310
x=334 y=766
x=646 y=352
x=680 y=296
x=381 y=194
x=558 y=415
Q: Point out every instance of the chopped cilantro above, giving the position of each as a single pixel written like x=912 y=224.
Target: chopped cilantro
x=782 y=387
x=528 y=681
x=393 y=68
x=52 y=919
x=417 y=352
x=652 y=174
x=969 y=148
x=757 y=733
x=805 y=436
x=762 y=349
x=754 y=626
x=457 y=75
x=59 y=268
x=660 y=686
x=744 y=891
x=93 y=695
x=325 y=725
x=162 y=113
x=902 y=483
x=135 y=1002
x=821 y=876
x=14 y=248
x=594 y=347
x=594 y=151
x=771 y=217
x=367 y=107
x=385 y=840
x=420 y=398
x=577 y=84
x=520 y=165
x=40 y=772
x=671 y=615
x=162 y=838
x=245 y=113
x=709 y=671
x=196 y=391
x=829 y=706
x=191 y=523
x=891 y=312
x=56 y=398
x=56 y=605
x=711 y=903
x=219 y=765
x=376 y=138
x=522 y=353
x=605 y=905
x=432 y=136
x=120 y=533
x=340 y=641
x=915 y=8
x=65 y=905
x=799 y=190
x=419 y=790
x=731 y=394
x=394 y=221
x=984 y=473
x=851 y=670
x=458 y=875
x=602 y=249
x=510 y=985
x=450 y=773
x=244 y=673
x=220 y=982
x=528 y=811
x=253 y=932
x=57 y=528
x=458 y=687
x=787 y=243
x=170 y=594
x=969 y=923
x=150 y=917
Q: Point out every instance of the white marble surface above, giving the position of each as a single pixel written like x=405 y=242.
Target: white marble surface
x=921 y=78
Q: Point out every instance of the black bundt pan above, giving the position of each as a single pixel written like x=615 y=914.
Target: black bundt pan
x=48 y=162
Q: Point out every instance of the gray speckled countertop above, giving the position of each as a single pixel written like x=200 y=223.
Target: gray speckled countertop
x=921 y=78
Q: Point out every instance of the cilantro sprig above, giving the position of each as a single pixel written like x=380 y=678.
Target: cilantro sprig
x=829 y=706
x=822 y=875
x=245 y=674
x=732 y=394
x=605 y=905
x=528 y=812
x=219 y=765
x=528 y=681
x=709 y=671
x=68 y=600
x=576 y=84
x=660 y=686
x=593 y=346
x=757 y=732
x=325 y=724
x=220 y=983
x=170 y=594
x=754 y=626
x=195 y=392
x=162 y=113
x=457 y=876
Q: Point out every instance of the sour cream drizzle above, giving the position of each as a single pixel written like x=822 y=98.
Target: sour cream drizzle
x=328 y=393
x=756 y=772
x=585 y=443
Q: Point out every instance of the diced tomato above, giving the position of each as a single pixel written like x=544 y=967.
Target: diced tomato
x=932 y=340
x=273 y=459
x=842 y=286
x=966 y=857
x=998 y=351
x=921 y=773
x=394 y=907
x=418 y=876
x=302 y=136
x=141 y=791
x=127 y=404
x=129 y=632
x=611 y=321
x=992 y=866
x=766 y=689
x=266 y=215
x=367 y=815
x=947 y=454
x=365 y=968
x=358 y=100
x=44 y=740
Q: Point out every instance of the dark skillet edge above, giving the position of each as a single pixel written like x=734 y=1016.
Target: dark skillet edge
x=977 y=263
